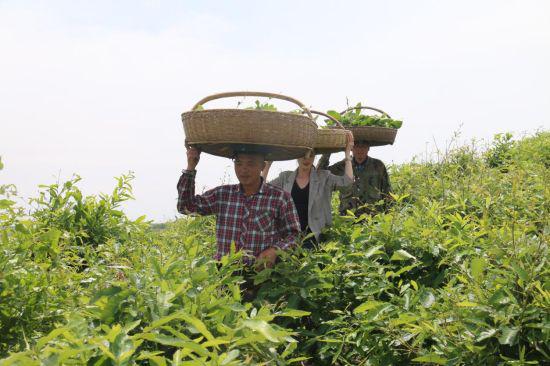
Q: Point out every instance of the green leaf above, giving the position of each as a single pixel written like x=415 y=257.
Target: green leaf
x=486 y=334
x=401 y=255
x=173 y=341
x=522 y=274
x=199 y=325
x=195 y=322
x=297 y=359
x=4 y=203
x=52 y=238
x=366 y=306
x=109 y=291
x=262 y=327
x=500 y=297
x=477 y=267
x=404 y=319
x=19 y=359
x=377 y=314
x=226 y=358
x=373 y=251
x=427 y=299
x=466 y=304
x=431 y=358
x=293 y=313
x=335 y=115
x=53 y=334
x=155 y=359
x=509 y=336
x=215 y=343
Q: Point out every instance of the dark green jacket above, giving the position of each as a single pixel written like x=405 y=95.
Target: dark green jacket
x=371 y=183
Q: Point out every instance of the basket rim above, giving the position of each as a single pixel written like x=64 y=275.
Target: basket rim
x=351 y=128
x=277 y=152
x=248 y=143
x=249 y=111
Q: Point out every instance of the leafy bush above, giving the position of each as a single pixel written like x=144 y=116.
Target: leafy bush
x=455 y=272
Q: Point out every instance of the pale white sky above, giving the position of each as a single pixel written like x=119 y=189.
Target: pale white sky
x=97 y=87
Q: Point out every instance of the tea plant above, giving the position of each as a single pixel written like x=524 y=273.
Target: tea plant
x=454 y=272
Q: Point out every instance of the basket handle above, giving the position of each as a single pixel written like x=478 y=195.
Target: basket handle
x=364 y=107
x=329 y=117
x=252 y=94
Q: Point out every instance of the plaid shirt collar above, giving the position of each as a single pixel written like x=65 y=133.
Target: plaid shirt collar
x=261 y=191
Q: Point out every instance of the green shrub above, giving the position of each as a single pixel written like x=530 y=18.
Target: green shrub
x=455 y=272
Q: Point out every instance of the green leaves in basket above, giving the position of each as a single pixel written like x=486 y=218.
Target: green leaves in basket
x=329 y=122
x=263 y=106
x=354 y=118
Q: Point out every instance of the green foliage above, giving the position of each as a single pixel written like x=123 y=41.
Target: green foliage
x=355 y=118
x=500 y=153
x=91 y=220
x=143 y=297
x=263 y=106
x=455 y=272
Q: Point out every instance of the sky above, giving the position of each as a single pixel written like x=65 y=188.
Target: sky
x=96 y=88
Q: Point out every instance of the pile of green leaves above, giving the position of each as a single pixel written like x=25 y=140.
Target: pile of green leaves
x=455 y=272
x=355 y=118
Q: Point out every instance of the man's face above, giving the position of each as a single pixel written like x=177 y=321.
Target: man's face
x=248 y=168
x=360 y=152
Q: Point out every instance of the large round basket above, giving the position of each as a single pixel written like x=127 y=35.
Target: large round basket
x=225 y=132
x=330 y=140
x=372 y=135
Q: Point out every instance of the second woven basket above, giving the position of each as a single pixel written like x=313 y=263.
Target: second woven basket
x=373 y=135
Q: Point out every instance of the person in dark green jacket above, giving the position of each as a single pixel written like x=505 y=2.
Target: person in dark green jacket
x=371 y=181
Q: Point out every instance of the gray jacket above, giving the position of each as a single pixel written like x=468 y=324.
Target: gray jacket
x=321 y=185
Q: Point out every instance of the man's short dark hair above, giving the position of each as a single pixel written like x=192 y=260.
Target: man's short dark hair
x=255 y=153
x=362 y=142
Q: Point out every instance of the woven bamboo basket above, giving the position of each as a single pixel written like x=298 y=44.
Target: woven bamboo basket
x=330 y=140
x=224 y=132
x=373 y=135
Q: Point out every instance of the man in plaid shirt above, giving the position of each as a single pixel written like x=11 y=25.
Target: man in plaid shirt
x=255 y=215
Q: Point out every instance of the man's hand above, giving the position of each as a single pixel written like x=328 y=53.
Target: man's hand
x=266 y=259
x=193 y=157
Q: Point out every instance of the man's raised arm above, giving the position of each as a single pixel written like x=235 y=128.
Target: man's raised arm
x=188 y=202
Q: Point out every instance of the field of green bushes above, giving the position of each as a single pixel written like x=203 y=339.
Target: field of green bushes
x=455 y=272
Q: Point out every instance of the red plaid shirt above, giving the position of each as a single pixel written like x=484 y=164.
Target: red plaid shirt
x=265 y=219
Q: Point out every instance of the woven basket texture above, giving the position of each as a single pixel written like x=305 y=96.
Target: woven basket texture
x=223 y=132
x=374 y=135
x=329 y=141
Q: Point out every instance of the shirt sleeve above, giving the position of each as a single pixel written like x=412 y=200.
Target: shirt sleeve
x=278 y=182
x=336 y=168
x=288 y=223
x=188 y=202
x=338 y=181
x=323 y=162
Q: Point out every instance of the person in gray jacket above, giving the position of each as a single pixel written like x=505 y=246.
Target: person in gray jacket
x=311 y=190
